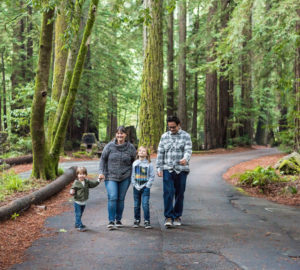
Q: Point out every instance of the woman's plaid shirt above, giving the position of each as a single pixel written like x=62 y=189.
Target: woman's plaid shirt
x=171 y=149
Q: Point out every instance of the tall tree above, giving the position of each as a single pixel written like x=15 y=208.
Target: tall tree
x=45 y=158
x=182 y=107
x=151 y=109
x=297 y=87
x=225 y=92
x=40 y=155
x=211 y=95
x=170 y=65
x=196 y=63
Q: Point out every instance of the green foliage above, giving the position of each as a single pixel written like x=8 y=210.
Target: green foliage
x=82 y=154
x=259 y=177
x=11 y=181
x=60 y=171
x=14 y=216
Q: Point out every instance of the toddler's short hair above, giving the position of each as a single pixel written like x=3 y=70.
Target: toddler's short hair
x=81 y=170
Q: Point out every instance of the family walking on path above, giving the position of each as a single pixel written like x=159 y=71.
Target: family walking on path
x=121 y=165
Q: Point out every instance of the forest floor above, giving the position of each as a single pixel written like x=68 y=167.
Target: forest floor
x=21 y=232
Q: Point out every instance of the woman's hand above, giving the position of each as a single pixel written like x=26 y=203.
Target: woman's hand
x=101 y=177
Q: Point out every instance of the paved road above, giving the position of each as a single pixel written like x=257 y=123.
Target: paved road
x=222 y=229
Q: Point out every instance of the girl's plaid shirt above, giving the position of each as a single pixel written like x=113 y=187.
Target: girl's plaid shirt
x=171 y=149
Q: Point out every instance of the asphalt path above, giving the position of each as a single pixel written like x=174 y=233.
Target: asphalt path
x=222 y=229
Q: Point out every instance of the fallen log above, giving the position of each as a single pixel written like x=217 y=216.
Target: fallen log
x=17 y=160
x=38 y=196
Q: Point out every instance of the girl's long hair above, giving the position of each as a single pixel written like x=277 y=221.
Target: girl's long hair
x=148 y=153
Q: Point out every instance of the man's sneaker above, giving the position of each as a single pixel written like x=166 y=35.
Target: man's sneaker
x=119 y=224
x=147 y=225
x=81 y=229
x=111 y=225
x=136 y=223
x=168 y=222
x=83 y=226
x=177 y=221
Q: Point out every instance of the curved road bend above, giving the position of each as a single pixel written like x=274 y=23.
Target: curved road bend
x=222 y=229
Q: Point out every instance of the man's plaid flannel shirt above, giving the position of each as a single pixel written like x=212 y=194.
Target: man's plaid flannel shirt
x=171 y=149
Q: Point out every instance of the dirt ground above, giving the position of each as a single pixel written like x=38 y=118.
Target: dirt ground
x=18 y=234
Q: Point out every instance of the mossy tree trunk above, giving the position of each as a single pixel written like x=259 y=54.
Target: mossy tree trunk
x=40 y=153
x=60 y=60
x=151 y=109
x=297 y=89
x=63 y=123
x=46 y=156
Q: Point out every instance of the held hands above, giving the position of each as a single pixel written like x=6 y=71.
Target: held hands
x=101 y=177
x=72 y=191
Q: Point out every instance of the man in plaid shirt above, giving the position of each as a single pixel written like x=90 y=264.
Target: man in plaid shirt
x=173 y=155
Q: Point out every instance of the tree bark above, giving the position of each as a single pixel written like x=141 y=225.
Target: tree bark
x=60 y=60
x=182 y=107
x=40 y=98
x=170 y=65
x=224 y=84
x=297 y=89
x=151 y=109
x=195 y=102
x=211 y=95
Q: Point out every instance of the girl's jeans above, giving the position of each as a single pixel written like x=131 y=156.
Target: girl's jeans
x=116 y=192
x=78 y=214
x=141 y=196
x=173 y=186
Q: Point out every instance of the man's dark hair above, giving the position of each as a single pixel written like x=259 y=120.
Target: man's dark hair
x=173 y=118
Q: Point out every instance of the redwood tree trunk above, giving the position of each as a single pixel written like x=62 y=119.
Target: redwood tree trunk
x=211 y=95
x=182 y=107
x=224 y=85
x=170 y=64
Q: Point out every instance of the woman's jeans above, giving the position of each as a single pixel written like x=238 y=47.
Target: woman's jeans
x=78 y=214
x=173 y=186
x=116 y=192
x=141 y=196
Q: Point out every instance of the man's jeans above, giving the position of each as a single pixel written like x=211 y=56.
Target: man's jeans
x=78 y=214
x=173 y=185
x=141 y=196
x=116 y=192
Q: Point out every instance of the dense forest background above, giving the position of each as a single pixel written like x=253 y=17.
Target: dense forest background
x=228 y=68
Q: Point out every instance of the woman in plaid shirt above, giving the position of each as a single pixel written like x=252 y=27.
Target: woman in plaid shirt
x=173 y=155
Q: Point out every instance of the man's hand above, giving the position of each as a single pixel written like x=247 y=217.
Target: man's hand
x=159 y=173
x=101 y=177
x=182 y=162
